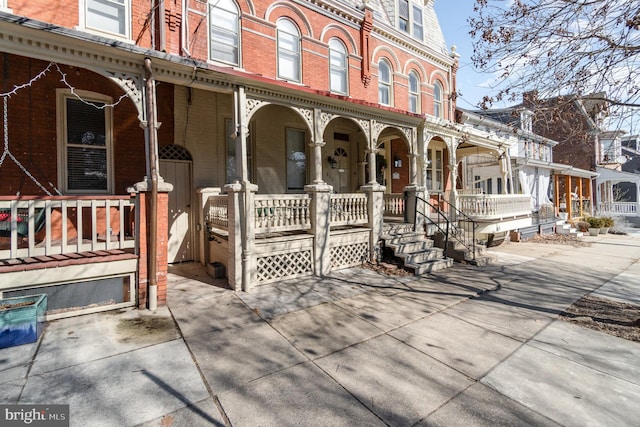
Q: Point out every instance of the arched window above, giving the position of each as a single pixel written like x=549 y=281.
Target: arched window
x=338 y=67
x=414 y=92
x=384 y=82
x=437 y=100
x=289 y=59
x=224 y=31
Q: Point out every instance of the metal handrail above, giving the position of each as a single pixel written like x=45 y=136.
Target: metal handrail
x=453 y=227
x=437 y=224
x=457 y=233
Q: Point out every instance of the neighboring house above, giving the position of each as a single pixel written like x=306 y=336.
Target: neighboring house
x=592 y=156
x=531 y=169
x=274 y=138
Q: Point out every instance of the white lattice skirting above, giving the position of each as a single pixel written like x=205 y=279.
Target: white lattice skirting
x=349 y=255
x=284 y=258
x=284 y=266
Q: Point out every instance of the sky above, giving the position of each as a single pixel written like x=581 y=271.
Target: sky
x=472 y=84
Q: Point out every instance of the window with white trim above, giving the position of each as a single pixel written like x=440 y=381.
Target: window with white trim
x=410 y=18
x=4 y=6
x=224 y=31
x=435 y=170
x=289 y=58
x=84 y=142
x=296 y=160
x=338 y=66
x=384 y=82
x=108 y=16
x=414 y=92
x=437 y=100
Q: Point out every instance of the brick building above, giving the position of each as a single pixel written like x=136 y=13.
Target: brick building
x=273 y=138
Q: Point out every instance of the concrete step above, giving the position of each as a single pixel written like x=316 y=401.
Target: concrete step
x=430 y=266
x=421 y=256
x=410 y=246
x=410 y=236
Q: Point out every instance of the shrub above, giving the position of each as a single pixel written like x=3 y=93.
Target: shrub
x=594 y=222
x=607 y=221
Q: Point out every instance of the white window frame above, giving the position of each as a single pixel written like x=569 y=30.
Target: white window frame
x=291 y=159
x=229 y=7
x=84 y=17
x=438 y=108
x=286 y=27
x=434 y=170
x=62 y=95
x=385 y=86
x=4 y=6
x=337 y=49
x=414 y=93
x=411 y=24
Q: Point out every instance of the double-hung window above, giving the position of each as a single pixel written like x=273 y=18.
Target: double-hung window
x=437 y=100
x=435 y=175
x=85 y=142
x=410 y=18
x=289 y=58
x=224 y=35
x=338 y=66
x=108 y=16
x=384 y=82
x=414 y=92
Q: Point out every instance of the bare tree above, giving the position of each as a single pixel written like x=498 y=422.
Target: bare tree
x=560 y=47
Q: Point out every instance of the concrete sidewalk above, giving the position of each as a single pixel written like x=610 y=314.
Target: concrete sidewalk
x=465 y=346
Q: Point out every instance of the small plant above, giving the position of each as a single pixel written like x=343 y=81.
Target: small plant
x=582 y=226
x=594 y=222
x=607 y=222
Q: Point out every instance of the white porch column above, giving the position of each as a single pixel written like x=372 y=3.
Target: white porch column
x=241 y=133
x=242 y=263
x=452 y=145
x=375 y=206
x=320 y=226
x=371 y=152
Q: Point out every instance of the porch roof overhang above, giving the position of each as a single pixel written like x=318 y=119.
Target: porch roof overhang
x=557 y=168
x=614 y=176
x=472 y=140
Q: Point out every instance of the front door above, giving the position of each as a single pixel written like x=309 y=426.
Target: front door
x=178 y=173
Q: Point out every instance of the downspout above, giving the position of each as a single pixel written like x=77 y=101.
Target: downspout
x=152 y=286
x=161 y=26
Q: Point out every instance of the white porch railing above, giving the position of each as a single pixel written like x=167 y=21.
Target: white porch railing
x=348 y=209
x=42 y=226
x=619 y=208
x=217 y=212
x=282 y=212
x=494 y=206
x=393 y=205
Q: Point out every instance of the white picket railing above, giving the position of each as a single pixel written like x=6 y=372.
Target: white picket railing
x=619 y=208
x=282 y=212
x=494 y=206
x=42 y=226
x=394 y=205
x=348 y=209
